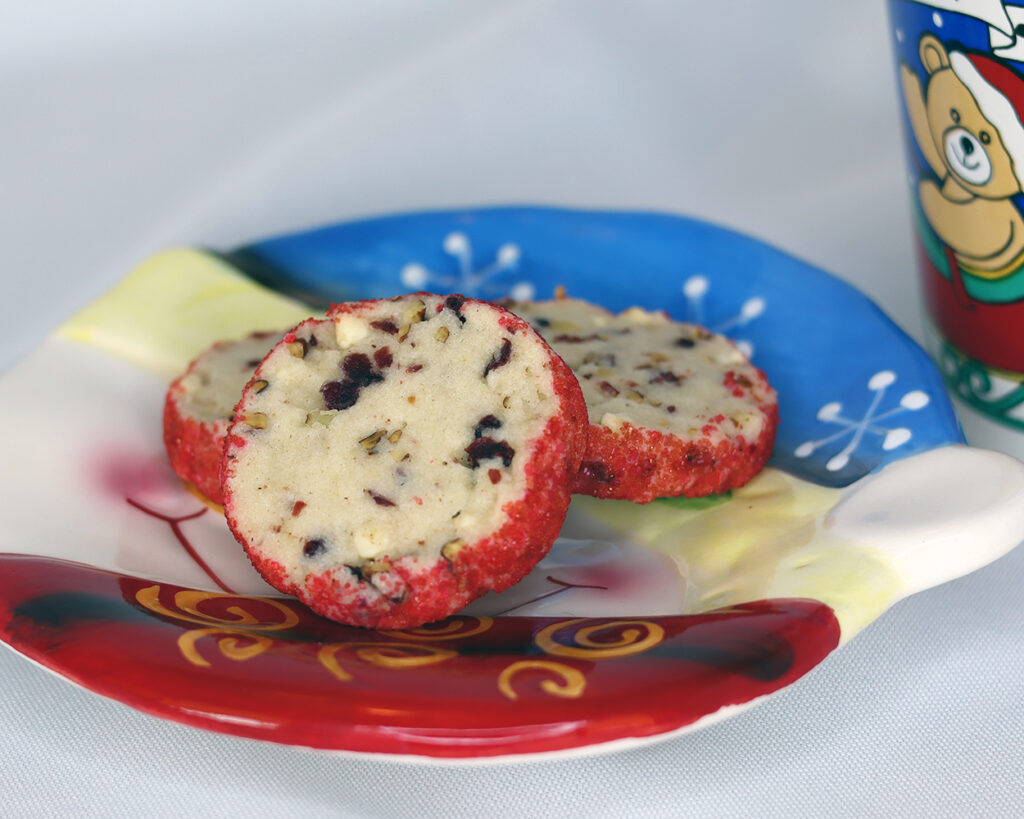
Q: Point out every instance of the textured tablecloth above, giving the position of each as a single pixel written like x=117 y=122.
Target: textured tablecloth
x=130 y=127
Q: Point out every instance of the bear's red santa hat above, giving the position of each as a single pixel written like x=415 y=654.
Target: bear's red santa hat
x=999 y=92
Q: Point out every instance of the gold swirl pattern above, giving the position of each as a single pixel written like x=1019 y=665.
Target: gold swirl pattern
x=231 y=644
x=383 y=655
x=636 y=636
x=453 y=628
x=237 y=642
x=188 y=601
x=241 y=636
x=570 y=685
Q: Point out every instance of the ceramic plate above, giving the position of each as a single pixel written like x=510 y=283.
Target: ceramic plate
x=644 y=621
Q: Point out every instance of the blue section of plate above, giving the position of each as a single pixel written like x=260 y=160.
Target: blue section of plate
x=855 y=392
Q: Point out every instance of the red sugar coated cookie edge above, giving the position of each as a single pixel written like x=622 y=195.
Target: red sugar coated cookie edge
x=642 y=464
x=194 y=448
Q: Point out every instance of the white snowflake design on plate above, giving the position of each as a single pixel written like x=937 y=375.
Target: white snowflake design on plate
x=696 y=288
x=466 y=279
x=892 y=437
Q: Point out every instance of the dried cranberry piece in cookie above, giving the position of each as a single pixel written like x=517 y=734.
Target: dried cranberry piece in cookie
x=199 y=404
x=674 y=409
x=418 y=456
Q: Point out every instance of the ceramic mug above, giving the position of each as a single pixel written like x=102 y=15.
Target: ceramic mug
x=960 y=66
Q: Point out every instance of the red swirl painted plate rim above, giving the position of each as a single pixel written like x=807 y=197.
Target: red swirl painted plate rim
x=465 y=688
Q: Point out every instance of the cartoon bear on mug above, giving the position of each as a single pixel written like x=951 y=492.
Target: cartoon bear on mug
x=967 y=124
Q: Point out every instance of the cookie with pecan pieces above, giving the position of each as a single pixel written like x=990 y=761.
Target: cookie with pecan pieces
x=199 y=404
x=394 y=462
x=675 y=410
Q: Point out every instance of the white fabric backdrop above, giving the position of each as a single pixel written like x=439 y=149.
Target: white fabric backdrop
x=131 y=127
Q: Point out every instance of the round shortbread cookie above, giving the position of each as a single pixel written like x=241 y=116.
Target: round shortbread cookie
x=675 y=410
x=391 y=464
x=199 y=405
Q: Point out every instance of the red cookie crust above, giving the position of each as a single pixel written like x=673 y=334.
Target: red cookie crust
x=419 y=588
x=641 y=465
x=195 y=448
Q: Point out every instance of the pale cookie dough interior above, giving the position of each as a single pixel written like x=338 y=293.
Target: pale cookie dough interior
x=212 y=388
x=643 y=368
x=403 y=431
